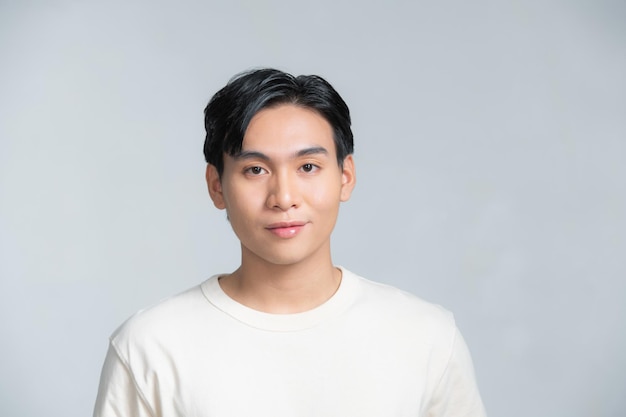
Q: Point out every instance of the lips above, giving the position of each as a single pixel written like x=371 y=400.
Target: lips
x=286 y=230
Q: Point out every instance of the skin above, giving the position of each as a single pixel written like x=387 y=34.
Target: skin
x=282 y=194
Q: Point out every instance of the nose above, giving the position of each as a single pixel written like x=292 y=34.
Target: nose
x=283 y=192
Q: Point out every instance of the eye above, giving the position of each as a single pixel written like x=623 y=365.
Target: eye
x=309 y=168
x=256 y=170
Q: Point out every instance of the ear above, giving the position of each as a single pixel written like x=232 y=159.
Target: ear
x=348 y=178
x=214 y=184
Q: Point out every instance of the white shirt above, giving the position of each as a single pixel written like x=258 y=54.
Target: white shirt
x=369 y=351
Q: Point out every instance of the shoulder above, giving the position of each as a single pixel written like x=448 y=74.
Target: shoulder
x=167 y=320
x=405 y=312
x=395 y=301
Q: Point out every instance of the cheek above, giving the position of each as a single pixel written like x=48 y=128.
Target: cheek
x=240 y=210
x=325 y=197
x=241 y=194
x=239 y=205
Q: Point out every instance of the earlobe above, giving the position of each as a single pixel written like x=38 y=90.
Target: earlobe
x=214 y=184
x=348 y=178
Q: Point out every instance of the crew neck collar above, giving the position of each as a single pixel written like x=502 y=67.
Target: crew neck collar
x=334 y=306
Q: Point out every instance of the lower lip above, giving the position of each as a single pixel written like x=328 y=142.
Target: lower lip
x=286 y=232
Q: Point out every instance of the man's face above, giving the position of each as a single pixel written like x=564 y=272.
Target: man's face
x=282 y=192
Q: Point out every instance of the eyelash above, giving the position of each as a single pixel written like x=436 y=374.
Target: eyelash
x=310 y=168
x=250 y=170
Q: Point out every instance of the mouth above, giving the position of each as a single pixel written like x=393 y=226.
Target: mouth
x=286 y=230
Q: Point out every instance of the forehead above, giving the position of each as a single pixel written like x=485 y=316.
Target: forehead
x=288 y=128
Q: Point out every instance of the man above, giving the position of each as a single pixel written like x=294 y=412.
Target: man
x=287 y=333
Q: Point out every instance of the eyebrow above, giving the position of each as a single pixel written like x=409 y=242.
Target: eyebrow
x=251 y=155
x=315 y=150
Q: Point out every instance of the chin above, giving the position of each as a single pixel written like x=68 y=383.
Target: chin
x=283 y=257
x=288 y=253
x=283 y=260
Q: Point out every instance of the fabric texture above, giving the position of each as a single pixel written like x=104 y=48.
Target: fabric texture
x=371 y=350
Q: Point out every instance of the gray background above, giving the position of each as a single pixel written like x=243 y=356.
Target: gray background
x=490 y=146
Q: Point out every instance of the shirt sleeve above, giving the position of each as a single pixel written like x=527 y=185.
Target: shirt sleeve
x=118 y=394
x=457 y=394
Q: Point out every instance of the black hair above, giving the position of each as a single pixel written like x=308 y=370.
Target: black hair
x=228 y=114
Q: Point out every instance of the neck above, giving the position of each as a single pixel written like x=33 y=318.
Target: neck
x=282 y=289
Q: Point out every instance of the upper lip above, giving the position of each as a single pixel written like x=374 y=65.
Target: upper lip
x=279 y=225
